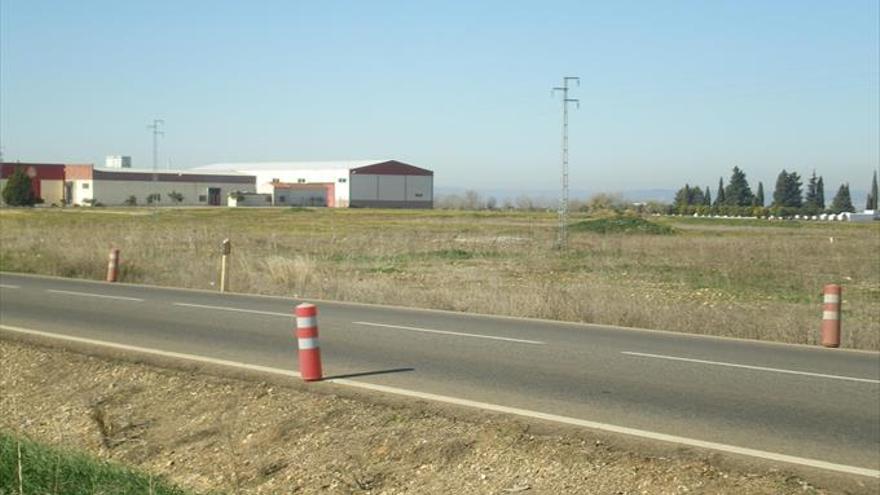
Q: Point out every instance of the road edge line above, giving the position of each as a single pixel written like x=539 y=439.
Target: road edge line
x=633 y=432
x=751 y=367
x=153 y=352
x=582 y=325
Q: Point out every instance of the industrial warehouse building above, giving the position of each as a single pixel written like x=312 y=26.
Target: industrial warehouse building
x=355 y=184
x=83 y=185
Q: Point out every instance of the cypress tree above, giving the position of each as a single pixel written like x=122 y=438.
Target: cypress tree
x=695 y=196
x=18 y=190
x=842 y=201
x=820 y=193
x=794 y=191
x=759 y=196
x=719 y=197
x=788 y=190
x=779 y=191
x=872 y=196
x=682 y=198
x=738 y=192
x=707 y=197
x=811 y=200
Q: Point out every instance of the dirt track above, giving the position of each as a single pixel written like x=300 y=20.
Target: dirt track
x=215 y=433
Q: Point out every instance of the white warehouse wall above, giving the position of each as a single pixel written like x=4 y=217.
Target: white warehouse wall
x=339 y=177
x=81 y=192
x=420 y=188
x=116 y=192
x=369 y=187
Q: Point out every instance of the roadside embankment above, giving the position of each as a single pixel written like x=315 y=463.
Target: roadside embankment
x=213 y=433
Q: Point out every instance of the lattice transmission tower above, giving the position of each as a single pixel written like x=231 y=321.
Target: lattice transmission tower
x=562 y=239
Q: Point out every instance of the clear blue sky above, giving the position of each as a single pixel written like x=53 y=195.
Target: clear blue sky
x=671 y=92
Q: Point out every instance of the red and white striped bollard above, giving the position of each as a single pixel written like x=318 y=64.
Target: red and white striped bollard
x=307 y=341
x=831 y=315
x=113 y=265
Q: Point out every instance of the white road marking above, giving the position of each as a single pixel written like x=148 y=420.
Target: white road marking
x=691 y=442
x=7 y=286
x=446 y=332
x=89 y=294
x=748 y=367
x=237 y=310
x=155 y=352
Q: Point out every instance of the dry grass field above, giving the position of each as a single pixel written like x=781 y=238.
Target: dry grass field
x=741 y=278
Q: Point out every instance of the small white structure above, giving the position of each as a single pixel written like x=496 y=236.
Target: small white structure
x=238 y=198
x=117 y=161
x=865 y=216
x=286 y=194
x=355 y=184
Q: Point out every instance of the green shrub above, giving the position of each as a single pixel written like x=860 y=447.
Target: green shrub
x=621 y=225
x=18 y=190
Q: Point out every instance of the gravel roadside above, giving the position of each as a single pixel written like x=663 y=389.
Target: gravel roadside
x=212 y=433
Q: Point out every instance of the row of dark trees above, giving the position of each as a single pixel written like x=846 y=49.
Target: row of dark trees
x=789 y=198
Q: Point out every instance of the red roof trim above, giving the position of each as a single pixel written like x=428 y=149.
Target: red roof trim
x=392 y=167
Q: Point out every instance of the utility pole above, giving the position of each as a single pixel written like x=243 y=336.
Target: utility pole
x=562 y=241
x=155 y=126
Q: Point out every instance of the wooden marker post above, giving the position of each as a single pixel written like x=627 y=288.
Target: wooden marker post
x=226 y=247
x=113 y=265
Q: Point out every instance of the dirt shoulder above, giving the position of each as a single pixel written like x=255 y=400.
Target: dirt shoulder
x=216 y=433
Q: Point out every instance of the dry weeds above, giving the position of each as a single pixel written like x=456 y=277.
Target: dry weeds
x=741 y=279
x=217 y=434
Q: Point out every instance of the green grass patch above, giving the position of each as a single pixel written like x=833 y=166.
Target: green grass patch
x=621 y=225
x=54 y=470
x=739 y=222
x=451 y=254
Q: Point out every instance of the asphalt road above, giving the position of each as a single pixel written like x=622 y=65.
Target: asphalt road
x=801 y=401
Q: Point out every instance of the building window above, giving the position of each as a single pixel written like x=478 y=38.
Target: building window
x=343 y=180
x=282 y=199
x=203 y=198
x=418 y=195
x=85 y=185
x=301 y=181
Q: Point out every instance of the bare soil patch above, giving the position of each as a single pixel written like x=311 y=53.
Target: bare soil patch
x=211 y=433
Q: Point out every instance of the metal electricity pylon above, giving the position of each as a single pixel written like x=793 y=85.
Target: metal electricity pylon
x=157 y=123
x=562 y=240
x=155 y=126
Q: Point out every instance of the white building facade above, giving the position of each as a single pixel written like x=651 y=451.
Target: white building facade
x=354 y=184
x=114 y=187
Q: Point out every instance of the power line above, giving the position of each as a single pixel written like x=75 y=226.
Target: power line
x=562 y=240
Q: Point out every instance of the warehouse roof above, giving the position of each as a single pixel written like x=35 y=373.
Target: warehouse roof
x=381 y=167
x=130 y=174
x=192 y=171
x=331 y=165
